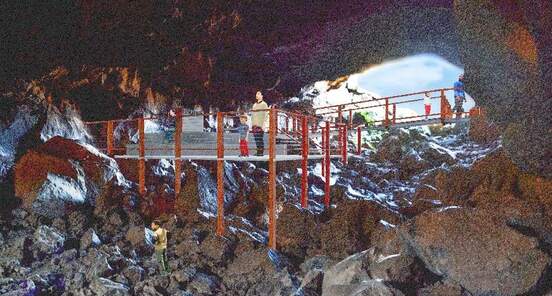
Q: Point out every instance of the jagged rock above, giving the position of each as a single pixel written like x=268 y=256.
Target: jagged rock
x=436 y=157
x=61 y=174
x=12 y=287
x=349 y=228
x=349 y=278
x=103 y=286
x=410 y=165
x=75 y=281
x=136 y=236
x=300 y=232
x=217 y=249
x=48 y=241
x=90 y=239
x=78 y=223
x=483 y=131
x=252 y=273
x=390 y=149
x=439 y=289
x=97 y=265
x=455 y=244
x=203 y=284
x=134 y=274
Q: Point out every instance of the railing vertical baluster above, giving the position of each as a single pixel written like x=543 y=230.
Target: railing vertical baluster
x=177 y=151
x=304 y=169
x=323 y=134
x=344 y=142
x=327 y=167
x=220 y=174
x=386 y=123
x=142 y=158
x=394 y=113
x=359 y=140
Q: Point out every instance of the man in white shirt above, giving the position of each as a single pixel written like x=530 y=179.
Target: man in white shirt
x=259 y=114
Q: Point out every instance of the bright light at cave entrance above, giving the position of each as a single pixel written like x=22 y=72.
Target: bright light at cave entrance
x=400 y=76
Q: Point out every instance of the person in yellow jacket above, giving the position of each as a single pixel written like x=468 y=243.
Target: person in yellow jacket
x=259 y=115
x=160 y=245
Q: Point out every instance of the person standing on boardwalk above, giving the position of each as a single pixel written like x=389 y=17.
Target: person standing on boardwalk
x=427 y=104
x=459 y=96
x=259 y=114
x=243 y=129
x=160 y=246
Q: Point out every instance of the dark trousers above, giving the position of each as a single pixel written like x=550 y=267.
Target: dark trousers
x=458 y=108
x=258 y=134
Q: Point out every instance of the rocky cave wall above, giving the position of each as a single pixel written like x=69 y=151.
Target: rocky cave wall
x=121 y=54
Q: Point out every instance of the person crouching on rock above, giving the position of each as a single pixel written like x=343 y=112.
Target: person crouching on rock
x=160 y=246
x=243 y=129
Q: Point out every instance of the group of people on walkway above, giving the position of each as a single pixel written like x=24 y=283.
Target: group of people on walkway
x=459 y=99
x=259 y=117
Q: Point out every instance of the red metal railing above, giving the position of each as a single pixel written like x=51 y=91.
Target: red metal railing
x=113 y=136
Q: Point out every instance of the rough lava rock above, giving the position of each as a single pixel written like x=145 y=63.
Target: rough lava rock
x=61 y=174
x=454 y=243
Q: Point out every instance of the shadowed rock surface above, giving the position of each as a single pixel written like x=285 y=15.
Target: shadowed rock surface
x=115 y=56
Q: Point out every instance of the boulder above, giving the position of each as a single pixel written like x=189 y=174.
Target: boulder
x=482 y=130
x=89 y=239
x=390 y=149
x=61 y=174
x=350 y=227
x=48 y=241
x=103 y=286
x=475 y=249
x=137 y=237
x=349 y=277
x=297 y=232
x=253 y=273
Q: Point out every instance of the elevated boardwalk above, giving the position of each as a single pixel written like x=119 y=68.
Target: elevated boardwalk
x=290 y=136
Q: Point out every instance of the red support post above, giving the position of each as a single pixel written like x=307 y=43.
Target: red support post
x=340 y=114
x=344 y=142
x=220 y=174
x=327 y=167
x=443 y=107
x=272 y=180
x=394 y=113
x=109 y=137
x=177 y=152
x=304 y=169
x=323 y=133
x=386 y=123
x=142 y=158
x=359 y=140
